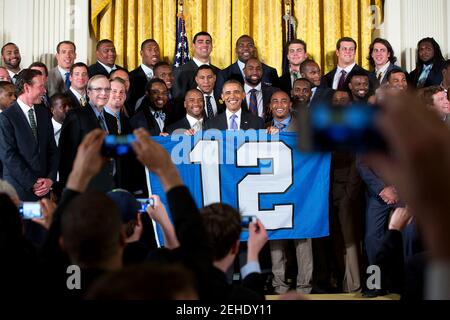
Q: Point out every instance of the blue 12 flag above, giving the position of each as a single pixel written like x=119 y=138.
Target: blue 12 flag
x=182 y=47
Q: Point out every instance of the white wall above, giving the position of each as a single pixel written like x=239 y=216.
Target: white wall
x=408 y=21
x=37 y=26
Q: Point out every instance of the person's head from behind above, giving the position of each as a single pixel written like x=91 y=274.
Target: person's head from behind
x=129 y=211
x=7 y=94
x=397 y=80
x=91 y=232
x=147 y=281
x=223 y=228
x=436 y=99
x=157 y=93
x=60 y=105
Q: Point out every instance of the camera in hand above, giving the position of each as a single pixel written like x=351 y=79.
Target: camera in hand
x=30 y=210
x=352 y=128
x=117 y=145
x=145 y=202
x=246 y=220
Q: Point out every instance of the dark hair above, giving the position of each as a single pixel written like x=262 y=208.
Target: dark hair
x=10 y=224
x=66 y=42
x=223 y=228
x=102 y=42
x=78 y=65
x=232 y=81
x=111 y=75
x=392 y=57
x=146 y=41
x=25 y=76
x=394 y=71
x=311 y=85
x=446 y=64
x=91 y=229
x=39 y=65
x=244 y=36
x=59 y=96
x=160 y=64
x=297 y=41
x=438 y=58
x=427 y=93
x=345 y=39
x=205 y=67
x=201 y=33
x=8 y=44
x=306 y=63
x=152 y=81
x=4 y=84
x=357 y=74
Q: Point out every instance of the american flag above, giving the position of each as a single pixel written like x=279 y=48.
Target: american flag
x=182 y=47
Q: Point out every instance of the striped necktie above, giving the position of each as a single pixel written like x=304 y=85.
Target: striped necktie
x=32 y=122
x=253 y=106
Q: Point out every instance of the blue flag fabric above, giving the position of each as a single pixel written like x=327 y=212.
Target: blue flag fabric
x=261 y=175
x=182 y=46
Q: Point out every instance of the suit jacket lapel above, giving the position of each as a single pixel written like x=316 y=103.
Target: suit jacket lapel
x=20 y=116
x=245 y=121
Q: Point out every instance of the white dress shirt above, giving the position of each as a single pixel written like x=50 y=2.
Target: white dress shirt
x=193 y=122
x=56 y=130
x=259 y=98
x=241 y=67
x=63 y=73
x=382 y=71
x=148 y=71
x=337 y=75
x=238 y=119
x=198 y=62
x=108 y=69
x=213 y=101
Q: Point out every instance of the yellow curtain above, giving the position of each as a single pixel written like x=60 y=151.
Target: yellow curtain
x=319 y=22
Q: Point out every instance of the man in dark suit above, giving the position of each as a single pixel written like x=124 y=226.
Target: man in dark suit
x=81 y=121
x=106 y=59
x=428 y=71
x=27 y=147
x=78 y=84
x=257 y=94
x=245 y=49
x=382 y=59
x=296 y=54
x=150 y=55
x=234 y=117
x=184 y=75
x=310 y=70
x=192 y=122
x=206 y=81
x=338 y=78
x=59 y=76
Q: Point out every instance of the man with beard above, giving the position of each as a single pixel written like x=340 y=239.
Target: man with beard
x=245 y=49
x=302 y=91
x=193 y=121
x=428 y=71
x=257 y=94
x=359 y=87
x=11 y=60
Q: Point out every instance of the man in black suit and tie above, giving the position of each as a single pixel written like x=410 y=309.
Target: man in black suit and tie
x=296 y=54
x=59 y=76
x=338 y=78
x=310 y=70
x=382 y=59
x=234 y=117
x=206 y=81
x=78 y=123
x=257 y=94
x=193 y=121
x=184 y=75
x=106 y=59
x=150 y=55
x=27 y=147
x=245 y=49
x=78 y=84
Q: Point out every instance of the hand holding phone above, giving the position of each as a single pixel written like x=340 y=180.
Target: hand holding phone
x=30 y=210
x=145 y=202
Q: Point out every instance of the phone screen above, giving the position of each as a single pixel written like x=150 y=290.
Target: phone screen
x=116 y=146
x=145 y=202
x=30 y=210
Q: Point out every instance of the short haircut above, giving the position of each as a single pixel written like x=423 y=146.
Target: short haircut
x=152 y=81
x=146 y=41
x=345 y=39
x=297 y=41
x=94 y=78
x=8 y=44
x=102 y=42
x=232 y=81
x=311 y=85
x=25 y=76
x=388 y=46
x=205 y=67
x=59 y=96
x=357 y=74
x=117 y=79
x=111 y=75
x=160 y=64
x=201 y=33
x=193 y=90
x=306 y=63
x=279 y=90
x=66 y=42
x=39 y=64
x=242 y=37
x=78 y=65
x=250 y=59
x=223 y=228
x=91 y=229
x=427 y=93
x=4 y=84
x=394 y=71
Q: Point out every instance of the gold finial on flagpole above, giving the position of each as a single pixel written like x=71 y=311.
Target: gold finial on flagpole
x=180 y=8
x=288 y=6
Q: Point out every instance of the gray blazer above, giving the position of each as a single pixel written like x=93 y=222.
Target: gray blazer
x=55 y=83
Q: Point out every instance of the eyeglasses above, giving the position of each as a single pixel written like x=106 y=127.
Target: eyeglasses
x=100 y=89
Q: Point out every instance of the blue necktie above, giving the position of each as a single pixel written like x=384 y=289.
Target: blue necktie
x=233 y=123
x=161 y=115
x=67 y=81
x=280 y=126
x=253 y=106
x=424 y=75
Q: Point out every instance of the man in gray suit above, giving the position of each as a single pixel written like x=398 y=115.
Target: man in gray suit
x=59 y=76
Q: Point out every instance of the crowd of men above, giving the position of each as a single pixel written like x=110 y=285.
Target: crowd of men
x=47 y=116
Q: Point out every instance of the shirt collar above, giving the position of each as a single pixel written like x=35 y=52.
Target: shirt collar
x=108 y=110
x=97 y=113
x=56 y=125
x=24 y=106
x=204 y=93
x=63 y=72
x=229 y=113
x=383 y=69
x=241 y=66
x=192 y=120
x=198 y=62
x=148 y=71
x=12 y=74
x=109 y=69
x=76 y=94
x=347 y=69
x=247 y=88
x=285 y=121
